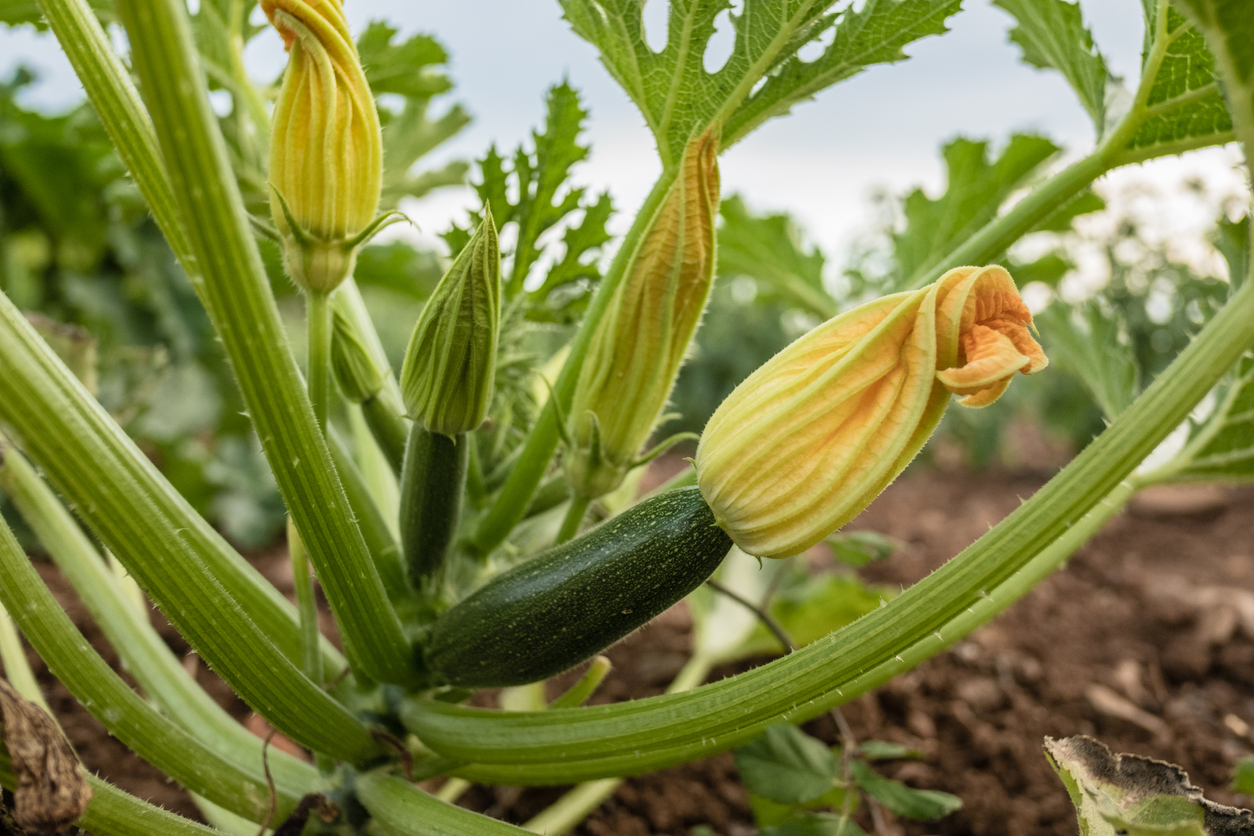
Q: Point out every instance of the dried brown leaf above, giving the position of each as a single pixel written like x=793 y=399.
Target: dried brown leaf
x=52 y=790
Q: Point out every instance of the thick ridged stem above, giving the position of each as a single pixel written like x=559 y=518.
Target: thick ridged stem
x=247 y=320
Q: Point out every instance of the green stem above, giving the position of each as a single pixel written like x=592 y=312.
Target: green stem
x=150 y=735
x=575 y=513
x=16 y=667
x=143 y=652
x=404 y=810
x=306 y=604
x=511 y=504
x=432 y=487
x=117 y=103
x=179 y=560
x=246 y=318
x=374 y=528
x=108 y=84
x=385 y=416
x=318 y=315
x=655 y=732
x=377 y=476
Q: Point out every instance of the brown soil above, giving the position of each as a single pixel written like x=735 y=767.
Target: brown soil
x=1145 y=640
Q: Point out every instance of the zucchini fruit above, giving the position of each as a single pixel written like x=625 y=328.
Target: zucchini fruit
x=548 y=615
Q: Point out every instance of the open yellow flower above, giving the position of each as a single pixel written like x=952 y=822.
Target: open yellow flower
x=810 y=438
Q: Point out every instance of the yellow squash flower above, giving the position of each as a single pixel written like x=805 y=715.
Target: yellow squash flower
x=326 y=148
x=810 y=438
x=640 y=343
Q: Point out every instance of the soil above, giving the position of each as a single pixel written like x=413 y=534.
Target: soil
x=1145 y=640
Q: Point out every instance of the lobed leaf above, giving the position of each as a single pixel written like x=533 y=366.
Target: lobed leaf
x=1052 y=35
x=410 y=71
x=532 y=191
x=1184 y=105
x=768 y=249
x=976 y=190
x=680 y=99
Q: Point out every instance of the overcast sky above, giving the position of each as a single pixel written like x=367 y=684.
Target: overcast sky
x=881 y=129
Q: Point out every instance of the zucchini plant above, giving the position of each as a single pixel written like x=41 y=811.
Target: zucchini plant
x=452 y=542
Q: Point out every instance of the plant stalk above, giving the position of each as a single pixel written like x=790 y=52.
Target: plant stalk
x=575 y=513
x=318 y=315
x=246 y=318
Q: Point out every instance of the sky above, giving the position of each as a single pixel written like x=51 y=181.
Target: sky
x=881 y=130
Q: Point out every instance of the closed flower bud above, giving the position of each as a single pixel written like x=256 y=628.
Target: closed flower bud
x=359 y=373
x=450 y=365
x=810 y=438
x=641 y=341
x=326 y=150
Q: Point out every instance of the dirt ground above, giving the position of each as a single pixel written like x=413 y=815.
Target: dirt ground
x=1145 y=640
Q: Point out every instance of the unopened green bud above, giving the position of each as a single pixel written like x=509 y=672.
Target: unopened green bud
x=641 y=341
x=359 y=374
x=326 y=149
x=450 y=365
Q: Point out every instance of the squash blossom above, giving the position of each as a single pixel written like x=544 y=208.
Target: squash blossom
x=449 y=374
x=809 y=439
x=326 y=149
x=640 y=343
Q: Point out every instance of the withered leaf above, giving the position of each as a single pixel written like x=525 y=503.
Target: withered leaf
x=1130 y=795
x=52 y=791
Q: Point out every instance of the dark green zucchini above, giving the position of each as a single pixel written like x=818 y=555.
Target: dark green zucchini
x=552 y=613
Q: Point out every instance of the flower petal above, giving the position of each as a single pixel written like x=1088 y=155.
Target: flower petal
x=991 y=359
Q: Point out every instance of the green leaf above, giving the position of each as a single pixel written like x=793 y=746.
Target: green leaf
x=1091 y=343
x=679 y=98
x=1128 y=794
x=1229 y=29
x=1052 y=35
x=785 y=765
x=875 y=34
x=768 y=249
x=921 y=805
x=976 y=189
x=1243 y=776
x=544 y=201
x=1228 y=451
x=814 y=824
x=1183 y=104
x=411 y=71
x=858 y=548
x=406 y=68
